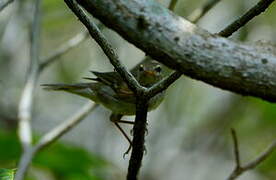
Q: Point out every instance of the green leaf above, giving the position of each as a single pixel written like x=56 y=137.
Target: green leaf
x=7 y=174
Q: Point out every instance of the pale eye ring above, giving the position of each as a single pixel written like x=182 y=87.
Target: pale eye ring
x=158 y=69
x=141 y=68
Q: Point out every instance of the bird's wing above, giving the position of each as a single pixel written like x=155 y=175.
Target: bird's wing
x=114 y=80
x=108 y=78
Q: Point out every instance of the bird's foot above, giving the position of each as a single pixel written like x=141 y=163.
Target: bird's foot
x=127 y=151
x=130 y=147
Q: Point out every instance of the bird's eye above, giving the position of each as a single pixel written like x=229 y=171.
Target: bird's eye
x=141 y=68
x=158 y=69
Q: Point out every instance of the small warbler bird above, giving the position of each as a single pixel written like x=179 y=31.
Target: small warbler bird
x=109 y=90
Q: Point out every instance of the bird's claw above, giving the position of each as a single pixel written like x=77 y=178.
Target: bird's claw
x=128 y=150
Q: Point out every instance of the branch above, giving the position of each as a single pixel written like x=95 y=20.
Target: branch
x=142 y=101
x=194 y=17
x=163 y=84
x=199 y=12
x=26 y=100
x=4 y=3
x=175 y=42
x=239 y=169
x=138 y=141
x=67 y=46
x=142 y=93
x=253 y=12
x=27 y=96
x=67 y=125
x=105 y=46
x=172 y=4
x=236 y=148
x=51 y=137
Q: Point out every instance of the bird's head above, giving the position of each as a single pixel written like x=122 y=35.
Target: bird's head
x=149 y=73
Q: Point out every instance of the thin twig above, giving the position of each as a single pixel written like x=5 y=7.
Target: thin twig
x=26 y=101
x=4 y=4
x=51 y=137
x=261 y=158
x=67 y=125
x=65 y=47
x=236 y=148
x=105 y=46
x=260 y=7
x=163 y=84
x=172 y=4
x=239 y=169
x=201 y=11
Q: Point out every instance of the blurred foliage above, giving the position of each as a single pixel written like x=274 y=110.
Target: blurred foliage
x=7 y=174
x=65 y=162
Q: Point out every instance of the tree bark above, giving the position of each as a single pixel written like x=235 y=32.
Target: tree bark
x=181 y=45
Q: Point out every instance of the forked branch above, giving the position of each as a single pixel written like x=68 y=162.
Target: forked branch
x=240 y=169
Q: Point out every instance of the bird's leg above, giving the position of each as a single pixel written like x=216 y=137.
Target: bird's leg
x=125 y=122
x=116 y=119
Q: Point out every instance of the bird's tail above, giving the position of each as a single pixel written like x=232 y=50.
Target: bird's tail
x=82 y=89
x=65 y=87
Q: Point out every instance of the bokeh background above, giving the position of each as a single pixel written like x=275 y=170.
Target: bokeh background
x=189 y=134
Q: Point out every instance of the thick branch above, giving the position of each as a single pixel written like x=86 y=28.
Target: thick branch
x=177 y=43
x=138 y=142
x=194 y=17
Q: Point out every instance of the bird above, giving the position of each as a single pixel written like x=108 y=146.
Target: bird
x=111 y=91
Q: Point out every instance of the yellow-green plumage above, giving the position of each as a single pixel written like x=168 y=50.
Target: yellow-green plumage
x=109 y=90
